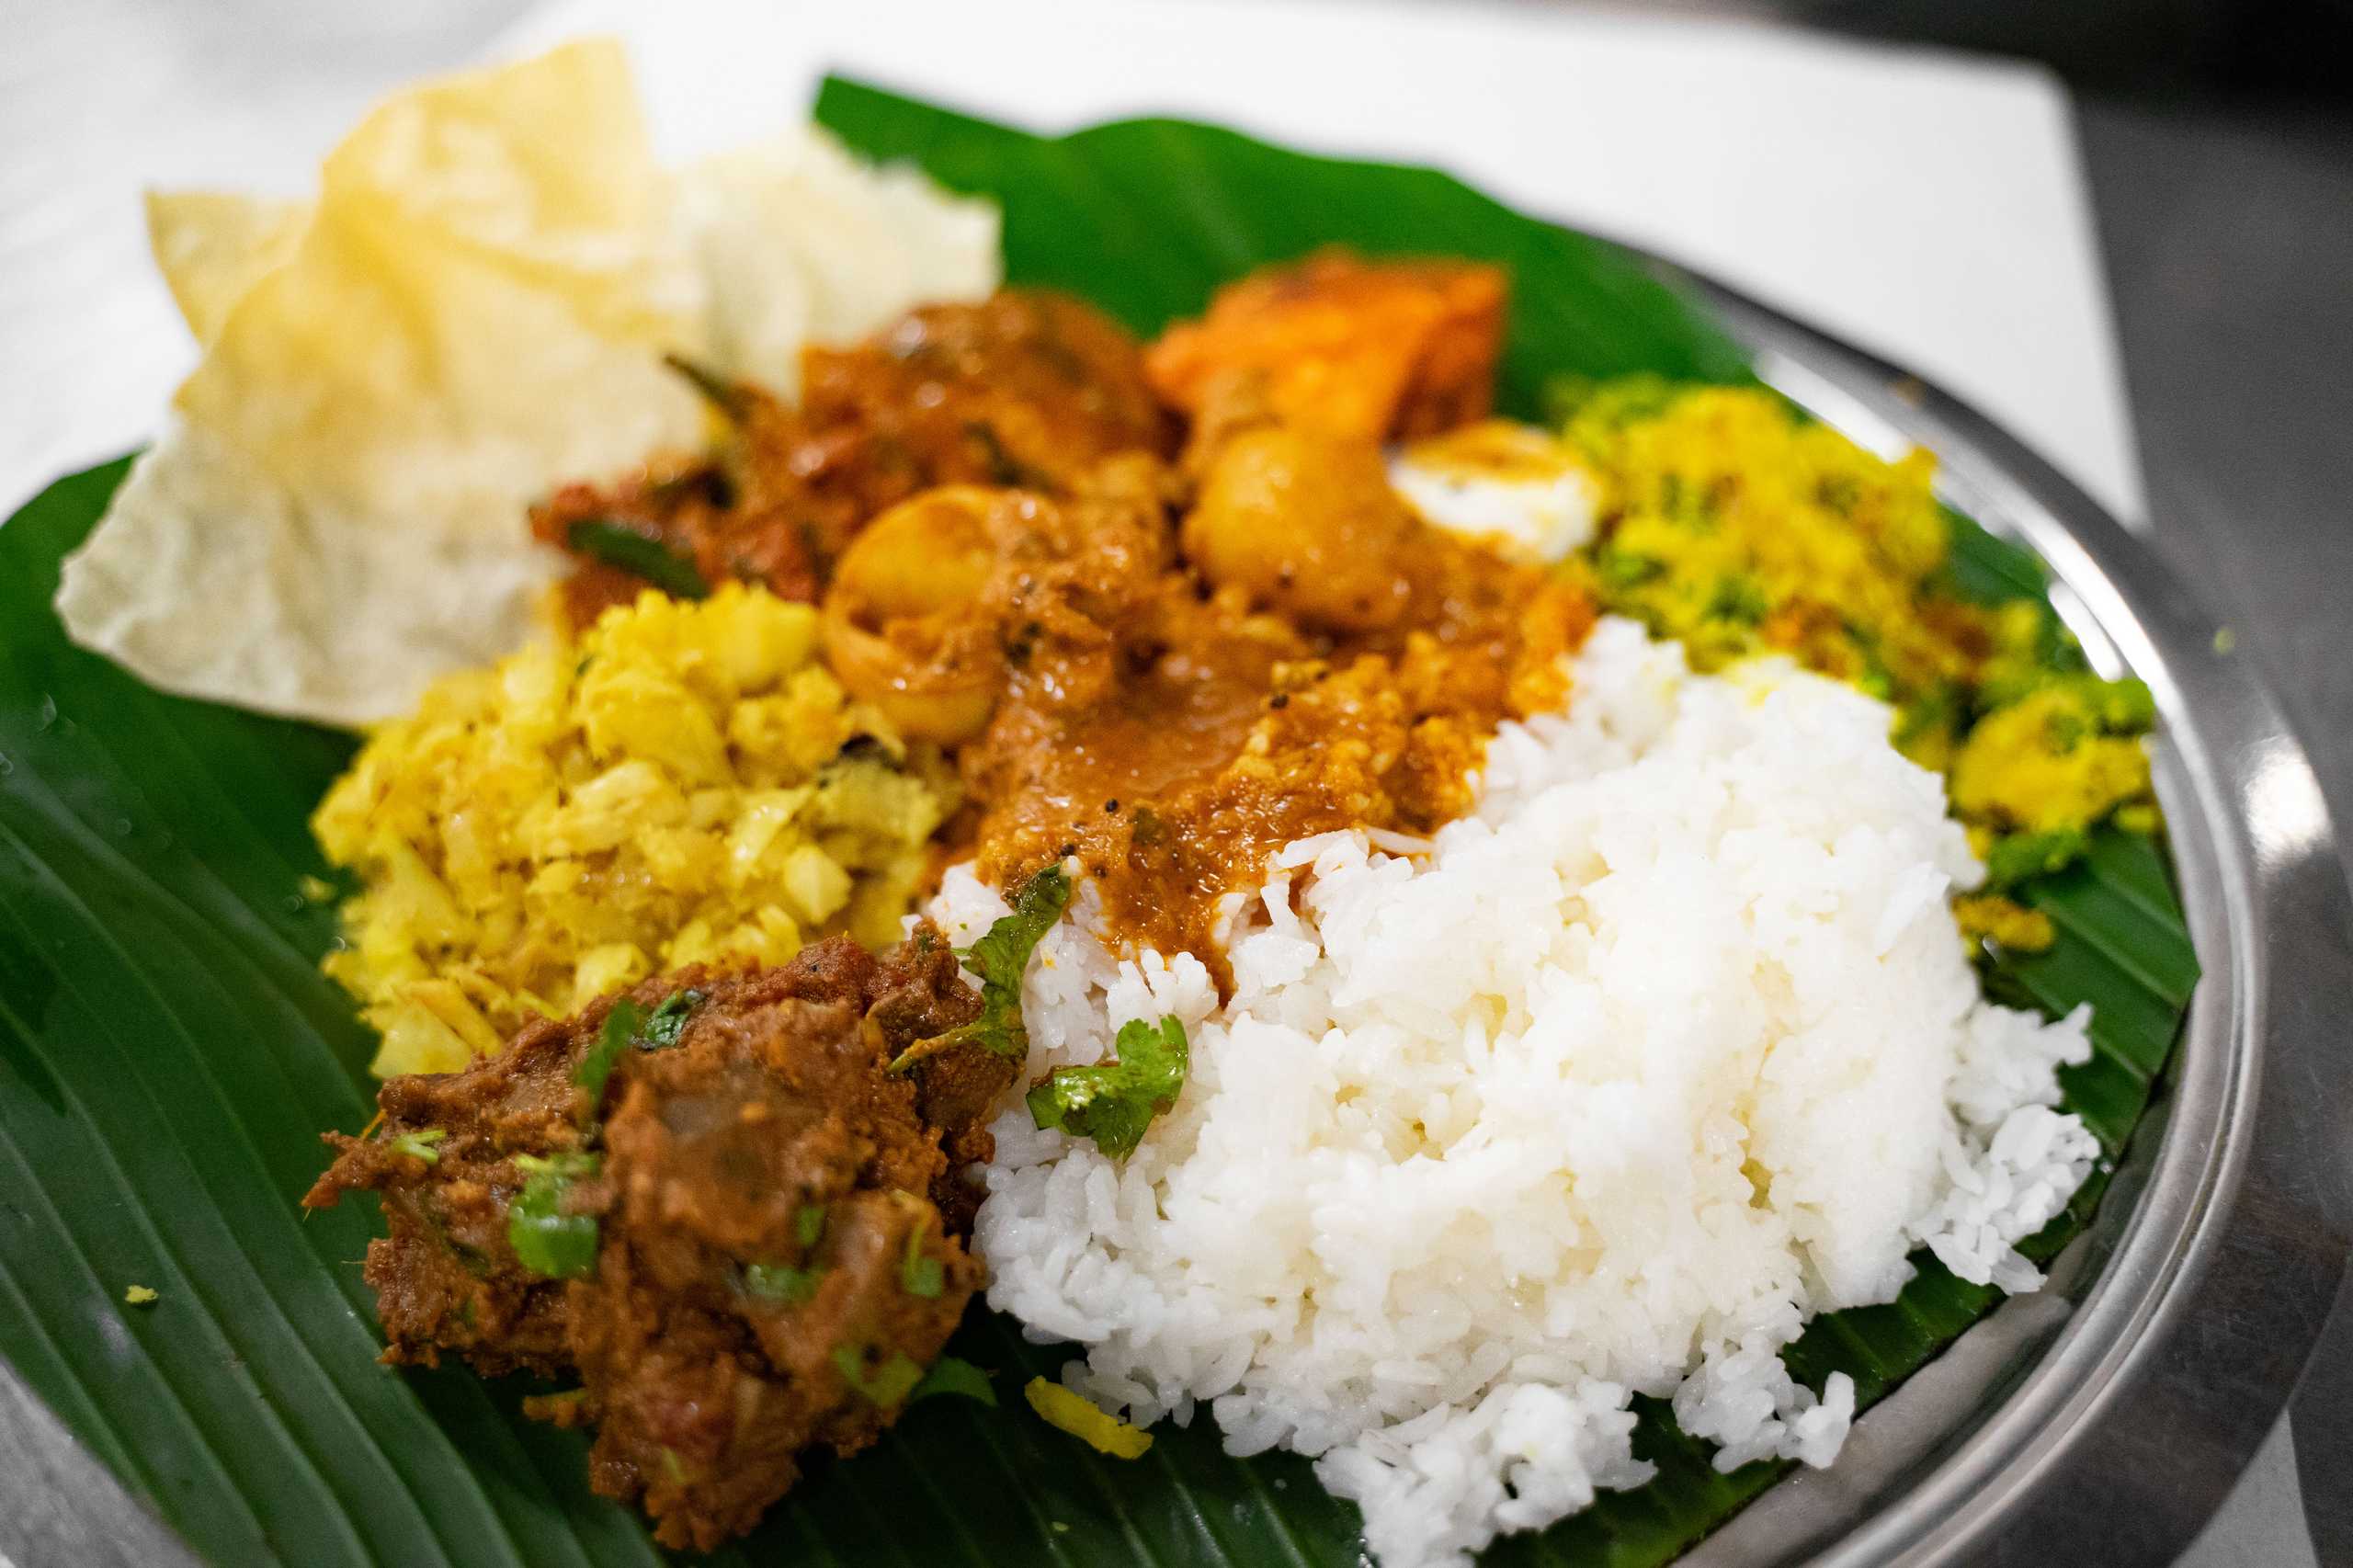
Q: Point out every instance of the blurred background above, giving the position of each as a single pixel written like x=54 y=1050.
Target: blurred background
x=2125 y=226
x=2154 y=48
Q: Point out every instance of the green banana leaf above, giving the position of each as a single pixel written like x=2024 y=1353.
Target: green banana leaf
x=168 y=1051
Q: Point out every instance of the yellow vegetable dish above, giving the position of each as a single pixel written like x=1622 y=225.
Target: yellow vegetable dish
x=1739 y=527
x=686 y=784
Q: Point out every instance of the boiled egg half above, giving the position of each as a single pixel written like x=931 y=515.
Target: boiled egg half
x=1519 y=488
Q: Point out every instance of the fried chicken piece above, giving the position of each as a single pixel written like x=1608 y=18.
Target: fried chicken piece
x=767 y=1223
x=1356 y=349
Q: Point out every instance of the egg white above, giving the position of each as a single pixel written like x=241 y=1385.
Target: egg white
x=1514 y=485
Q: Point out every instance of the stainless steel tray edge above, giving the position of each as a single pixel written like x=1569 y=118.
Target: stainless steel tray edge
x=2104 y=1419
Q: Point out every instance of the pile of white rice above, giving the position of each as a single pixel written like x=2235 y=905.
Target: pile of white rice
x=1606 y=1089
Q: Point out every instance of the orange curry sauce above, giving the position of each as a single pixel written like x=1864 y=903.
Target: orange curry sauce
x=1167 y=665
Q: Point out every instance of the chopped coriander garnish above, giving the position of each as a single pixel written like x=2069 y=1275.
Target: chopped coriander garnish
x=781 y=1283
x=809 y=1224
x=887 y=1385
x=640 y=555
x=920 y=1273
x=547 y=1241
x=1113 y=1102
x=418 y=1145
x=622 y=1023
x=1000 y=958
x=954 y=1375
x=667 y=1021
x=628 y=1024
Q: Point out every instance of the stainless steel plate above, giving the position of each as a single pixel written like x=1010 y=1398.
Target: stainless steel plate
x=2102 y=1420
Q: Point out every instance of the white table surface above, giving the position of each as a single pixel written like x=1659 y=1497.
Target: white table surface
x=1929 y=206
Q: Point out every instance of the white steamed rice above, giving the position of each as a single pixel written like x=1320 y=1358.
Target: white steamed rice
x=1606 y=1089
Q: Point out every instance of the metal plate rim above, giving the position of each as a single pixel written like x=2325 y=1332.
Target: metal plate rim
x=2135 y=1413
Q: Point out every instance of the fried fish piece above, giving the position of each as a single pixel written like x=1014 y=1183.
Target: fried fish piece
x=1347 y=347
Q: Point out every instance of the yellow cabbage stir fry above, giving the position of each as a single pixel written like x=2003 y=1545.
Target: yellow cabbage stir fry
x=686 y=784
x=1737 y=526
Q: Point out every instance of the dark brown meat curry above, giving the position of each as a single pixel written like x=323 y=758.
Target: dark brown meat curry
x=720 y=1215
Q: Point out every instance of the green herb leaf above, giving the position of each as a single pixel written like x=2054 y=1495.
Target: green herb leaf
x=547 y=1241
x=628 y=1024
x=418 y=1145
x=620 y=546
x=717 y=390
x=887 y=1385
x=1000 y=958
x=1740 y=598
x=920 y=1273
x=1113 y=1102
x=781 y=1283
x=954 y=1375
x=1624 y=570
x=667 y=1022
x=809 y=1224
x=621 y=1024
x=2014 y=856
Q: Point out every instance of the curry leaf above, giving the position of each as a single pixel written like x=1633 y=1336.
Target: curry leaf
x=640 y=555
x=717 y=390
